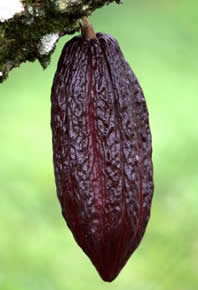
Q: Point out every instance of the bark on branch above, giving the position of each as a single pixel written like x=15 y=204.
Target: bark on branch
x=29 y=29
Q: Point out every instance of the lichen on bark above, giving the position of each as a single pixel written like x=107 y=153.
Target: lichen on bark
x=23 y=36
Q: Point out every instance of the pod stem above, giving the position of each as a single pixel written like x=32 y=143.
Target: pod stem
x=87 y=29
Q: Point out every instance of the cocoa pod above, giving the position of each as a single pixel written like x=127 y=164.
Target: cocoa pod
x=101 y=151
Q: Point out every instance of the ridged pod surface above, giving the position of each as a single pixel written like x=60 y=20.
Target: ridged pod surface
x=102 y=151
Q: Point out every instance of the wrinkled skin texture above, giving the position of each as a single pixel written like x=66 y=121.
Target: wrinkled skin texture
x=102 y=151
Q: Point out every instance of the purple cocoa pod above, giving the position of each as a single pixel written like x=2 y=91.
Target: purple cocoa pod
x=101 y=151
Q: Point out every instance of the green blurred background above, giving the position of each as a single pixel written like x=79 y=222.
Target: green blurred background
x=37 y=251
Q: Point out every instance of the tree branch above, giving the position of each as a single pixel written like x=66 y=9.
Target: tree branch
x=29 y=29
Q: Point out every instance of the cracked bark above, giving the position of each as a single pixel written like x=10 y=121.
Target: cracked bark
x=33 y=31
